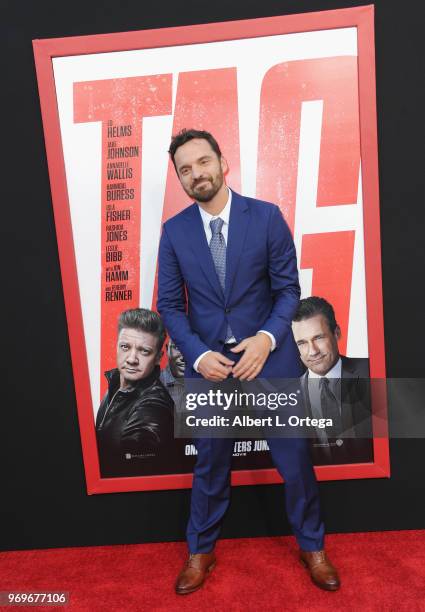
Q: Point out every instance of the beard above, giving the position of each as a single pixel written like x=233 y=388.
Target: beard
x=206 y=194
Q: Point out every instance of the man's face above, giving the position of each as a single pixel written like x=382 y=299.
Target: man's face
x=137 y=355
x=175 y=361
x=200 y=171
x=318 y=346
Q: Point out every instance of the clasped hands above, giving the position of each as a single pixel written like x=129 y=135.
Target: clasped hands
x=216 y=367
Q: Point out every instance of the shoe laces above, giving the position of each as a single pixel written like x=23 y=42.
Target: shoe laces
x=189 y=561
x=317 y=558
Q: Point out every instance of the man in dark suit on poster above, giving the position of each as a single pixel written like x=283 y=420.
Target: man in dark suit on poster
x=227 y=291
x=334 y=386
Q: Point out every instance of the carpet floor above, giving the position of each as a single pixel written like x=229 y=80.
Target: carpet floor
x=380 y=571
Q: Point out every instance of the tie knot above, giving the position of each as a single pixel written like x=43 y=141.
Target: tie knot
x=324 y=382
x=216 y=225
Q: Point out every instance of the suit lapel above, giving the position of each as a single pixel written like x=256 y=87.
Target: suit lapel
x=349 y=381
x=238 y=226
x=306 y=395
x=347 y=370
x=199 y=245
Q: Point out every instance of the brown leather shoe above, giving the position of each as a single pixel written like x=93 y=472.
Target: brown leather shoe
x=194 y=572
x=322 y=572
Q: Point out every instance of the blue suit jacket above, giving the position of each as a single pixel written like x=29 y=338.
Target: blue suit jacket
x=261 y=292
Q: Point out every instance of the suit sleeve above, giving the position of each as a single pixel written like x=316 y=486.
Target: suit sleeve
x=283 y=273
x=172 y=303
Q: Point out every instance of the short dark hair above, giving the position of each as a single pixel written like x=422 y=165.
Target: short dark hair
x=144 y=320
x=185 y=135
x=312 y=306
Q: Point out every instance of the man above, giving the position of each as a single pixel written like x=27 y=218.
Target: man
x=134 y=424
x=334 y=386
x=172 y=377
x=234 y=259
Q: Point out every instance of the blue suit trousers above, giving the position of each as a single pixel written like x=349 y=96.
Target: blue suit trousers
x=211 y=490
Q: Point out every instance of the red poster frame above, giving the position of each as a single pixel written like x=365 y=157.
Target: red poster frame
x=45 y=50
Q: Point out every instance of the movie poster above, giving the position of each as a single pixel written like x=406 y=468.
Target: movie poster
x=291 y=101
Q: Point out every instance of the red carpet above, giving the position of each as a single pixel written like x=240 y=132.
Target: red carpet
x=382 y=572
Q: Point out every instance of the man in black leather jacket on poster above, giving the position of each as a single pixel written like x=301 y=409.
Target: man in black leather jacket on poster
x=134 y=424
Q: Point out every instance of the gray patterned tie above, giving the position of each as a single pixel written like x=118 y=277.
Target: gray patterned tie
x=218 y=252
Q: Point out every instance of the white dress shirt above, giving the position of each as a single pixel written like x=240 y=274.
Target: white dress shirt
x=225 y=216
x=334 y=372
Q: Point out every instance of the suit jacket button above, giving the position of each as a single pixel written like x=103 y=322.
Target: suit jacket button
x=227 y=310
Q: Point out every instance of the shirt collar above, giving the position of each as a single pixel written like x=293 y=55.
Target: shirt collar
x=225 y=213
x=334 y=372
